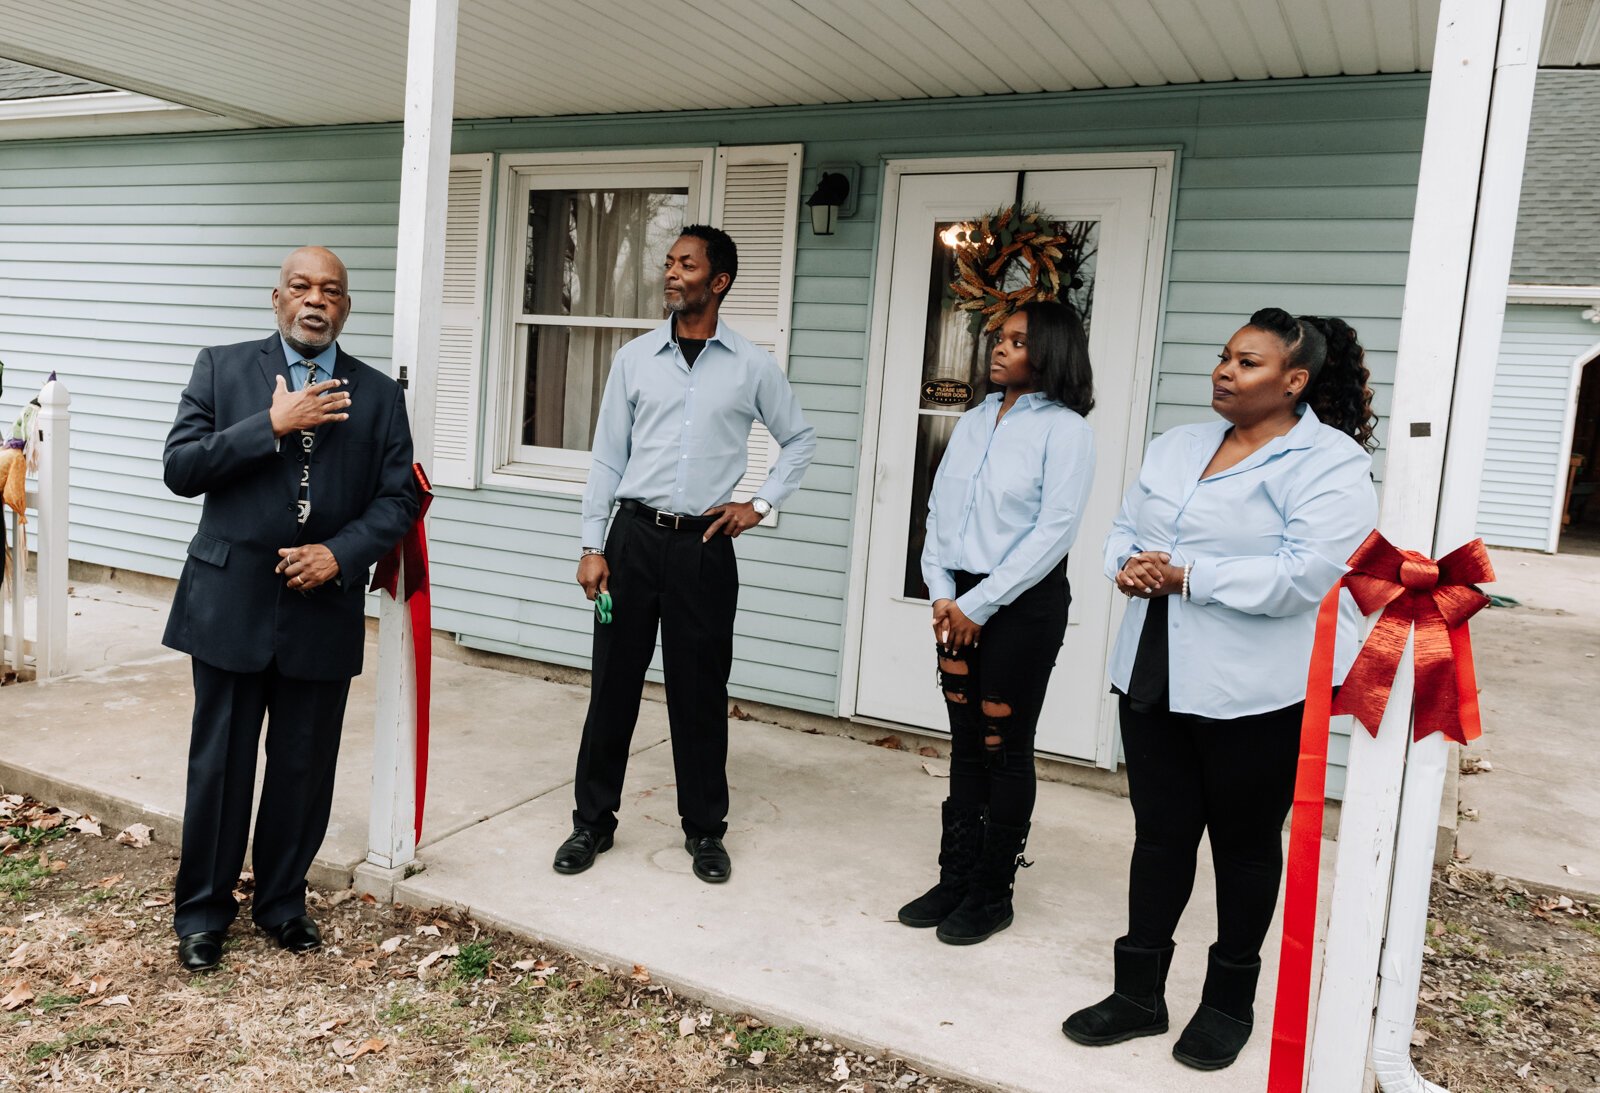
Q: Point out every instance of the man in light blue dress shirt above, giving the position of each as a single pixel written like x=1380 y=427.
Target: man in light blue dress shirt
x=670 y=444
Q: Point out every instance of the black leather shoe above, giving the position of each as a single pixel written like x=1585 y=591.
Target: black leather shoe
x=580 y=850
x=298 y=935
x=711 y=861
x=202 y=951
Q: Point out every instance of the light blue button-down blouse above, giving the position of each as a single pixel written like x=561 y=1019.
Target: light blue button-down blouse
x=675 y=438
x=1006 y=501
x=1267 y=538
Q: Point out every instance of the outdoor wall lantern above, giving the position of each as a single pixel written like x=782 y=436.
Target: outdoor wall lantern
x=827 y=200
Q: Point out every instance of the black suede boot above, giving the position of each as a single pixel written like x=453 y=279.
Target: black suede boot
x=986 y=909
x=1221 y=1026
x=1137 y=1005
x=959 y=849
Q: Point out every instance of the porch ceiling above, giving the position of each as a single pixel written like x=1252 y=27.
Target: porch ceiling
x=301 y=62
x=304 y=63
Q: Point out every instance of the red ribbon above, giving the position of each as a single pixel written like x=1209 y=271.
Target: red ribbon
x=1412 y=590
x=413 y=550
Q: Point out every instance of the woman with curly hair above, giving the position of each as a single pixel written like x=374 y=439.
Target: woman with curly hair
x=1002 y=514
x=1231 y=537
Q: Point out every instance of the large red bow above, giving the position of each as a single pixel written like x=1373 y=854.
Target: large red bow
x=414 y=550
x=1436 y=598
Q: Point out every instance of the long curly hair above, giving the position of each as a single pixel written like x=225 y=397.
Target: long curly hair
x=1340 y=389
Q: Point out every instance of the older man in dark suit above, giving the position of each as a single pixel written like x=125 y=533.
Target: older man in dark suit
x=303 y=454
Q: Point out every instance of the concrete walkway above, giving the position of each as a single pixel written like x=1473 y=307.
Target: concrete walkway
x=1539 y=670
x=828 y=837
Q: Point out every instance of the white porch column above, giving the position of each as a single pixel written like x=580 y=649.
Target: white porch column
x=1479 y=100
x=419 y=277
x=50 y=638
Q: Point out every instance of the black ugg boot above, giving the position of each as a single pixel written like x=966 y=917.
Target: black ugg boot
x=1137 y=1005
x=1221 y=1026
x=986 y=909
x=959 y=849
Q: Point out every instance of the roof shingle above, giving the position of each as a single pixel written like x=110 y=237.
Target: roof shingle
x=20 y=81
x=1558 y=221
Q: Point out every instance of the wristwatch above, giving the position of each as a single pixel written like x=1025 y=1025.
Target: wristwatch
x=762 y=506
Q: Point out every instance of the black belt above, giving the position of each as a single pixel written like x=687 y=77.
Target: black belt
x=672 y=521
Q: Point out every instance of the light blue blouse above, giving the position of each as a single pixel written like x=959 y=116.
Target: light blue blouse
x=675 y=437
x=1267 y=538
x=1006 y=501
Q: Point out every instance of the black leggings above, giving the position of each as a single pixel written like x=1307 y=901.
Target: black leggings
x=994 y=706
x=1232 y=779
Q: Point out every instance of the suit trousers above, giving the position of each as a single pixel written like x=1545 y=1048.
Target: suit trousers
x=1231 y=780
x=690 y=590
x=304 y=720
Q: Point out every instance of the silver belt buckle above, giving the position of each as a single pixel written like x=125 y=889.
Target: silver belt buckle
x=662 y=523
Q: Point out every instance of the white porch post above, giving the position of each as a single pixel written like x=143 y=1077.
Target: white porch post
x=50 y=637
x=1465 y=220
x=419 y=277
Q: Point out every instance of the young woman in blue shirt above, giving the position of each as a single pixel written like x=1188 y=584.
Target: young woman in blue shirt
x=1002 y=513
x=1226 y=545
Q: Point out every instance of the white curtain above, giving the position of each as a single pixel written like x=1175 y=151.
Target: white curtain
x=612 y=275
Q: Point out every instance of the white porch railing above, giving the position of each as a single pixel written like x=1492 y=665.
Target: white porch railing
x=47 y=537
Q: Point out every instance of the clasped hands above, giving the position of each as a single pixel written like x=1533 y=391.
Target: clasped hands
x=307 y=567
x=952 y=629
x=1150 y=574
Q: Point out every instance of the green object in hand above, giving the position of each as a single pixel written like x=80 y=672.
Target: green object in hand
x=602 y=607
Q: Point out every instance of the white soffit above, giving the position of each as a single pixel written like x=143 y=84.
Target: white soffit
x=303 y=63
x=1571 y=34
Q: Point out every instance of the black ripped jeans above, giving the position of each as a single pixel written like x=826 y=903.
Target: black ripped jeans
x=994 y=706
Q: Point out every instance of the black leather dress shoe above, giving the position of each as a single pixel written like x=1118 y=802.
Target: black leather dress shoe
x=202 y=951
x=711 y=861
x=580 y=850
x=298 y=935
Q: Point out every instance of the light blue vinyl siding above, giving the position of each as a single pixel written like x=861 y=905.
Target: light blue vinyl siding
x=1524 y=480
x=120 y=258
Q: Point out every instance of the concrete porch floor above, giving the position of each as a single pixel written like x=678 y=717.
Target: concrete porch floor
x=828 y=837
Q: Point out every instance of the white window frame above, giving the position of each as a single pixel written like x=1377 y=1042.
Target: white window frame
x=510 y=463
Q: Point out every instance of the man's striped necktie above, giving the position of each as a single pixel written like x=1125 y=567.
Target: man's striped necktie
x=307 y=438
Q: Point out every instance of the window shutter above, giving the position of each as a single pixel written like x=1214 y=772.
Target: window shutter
x=756 y=199
x=458 y=376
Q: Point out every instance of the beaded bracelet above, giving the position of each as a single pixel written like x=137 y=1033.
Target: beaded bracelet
x=1186 y=579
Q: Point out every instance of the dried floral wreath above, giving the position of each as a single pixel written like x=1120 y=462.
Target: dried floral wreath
x=1021 y=248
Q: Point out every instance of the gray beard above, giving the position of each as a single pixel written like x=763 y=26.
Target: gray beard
x=685 y=302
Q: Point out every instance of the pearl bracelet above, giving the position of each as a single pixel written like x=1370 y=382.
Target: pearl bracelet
x=1186 y=579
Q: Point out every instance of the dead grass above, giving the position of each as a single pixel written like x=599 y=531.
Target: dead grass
x=91 y=997
x=1510 y=997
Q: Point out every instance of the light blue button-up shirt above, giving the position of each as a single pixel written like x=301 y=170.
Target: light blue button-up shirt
x=297 y=366
x=676 y=438
x=1267 y=538
x=1007 y=500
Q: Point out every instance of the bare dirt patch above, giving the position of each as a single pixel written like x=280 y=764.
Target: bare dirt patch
x=91 y=996
x=1510 y=997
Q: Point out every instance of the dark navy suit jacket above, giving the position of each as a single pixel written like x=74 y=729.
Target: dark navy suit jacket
x=231 y=610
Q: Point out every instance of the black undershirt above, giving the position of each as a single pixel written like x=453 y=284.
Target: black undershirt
x=690 y=348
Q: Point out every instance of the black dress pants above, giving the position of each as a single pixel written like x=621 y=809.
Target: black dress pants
x=1001 y=695
x=1233 y=780
x=669 y=579
x=304 y=721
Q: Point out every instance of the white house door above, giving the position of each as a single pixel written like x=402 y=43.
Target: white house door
x=931 y=352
